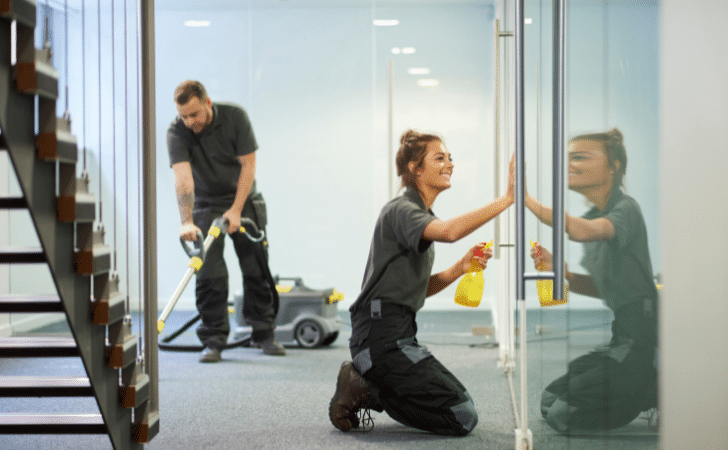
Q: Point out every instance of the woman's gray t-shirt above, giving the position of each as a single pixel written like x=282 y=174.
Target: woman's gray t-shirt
x=400 y=261
x=621 y=267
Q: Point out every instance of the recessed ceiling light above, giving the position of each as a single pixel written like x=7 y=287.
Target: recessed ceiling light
x=418 y=71
x=386 y=22
x=528 y=21
x=428 y=82
x=197 y=23
x=408 y=50
x=396 y=50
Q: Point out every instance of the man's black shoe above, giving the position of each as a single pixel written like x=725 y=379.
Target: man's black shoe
x=271 y=347
x=210 y=355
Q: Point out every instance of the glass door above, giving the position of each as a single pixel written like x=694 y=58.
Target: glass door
x=611 y=78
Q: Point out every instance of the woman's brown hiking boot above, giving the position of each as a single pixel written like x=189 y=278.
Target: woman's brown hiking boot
x=352 y=394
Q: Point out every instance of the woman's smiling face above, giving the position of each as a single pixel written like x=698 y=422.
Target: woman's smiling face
x=436 y=168
x=588 y=165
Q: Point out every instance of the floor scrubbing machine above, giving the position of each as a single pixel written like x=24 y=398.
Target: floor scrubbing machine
x=306 y=316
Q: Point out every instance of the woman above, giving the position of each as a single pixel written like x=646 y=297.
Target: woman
x=390 y=371
x=610 y=386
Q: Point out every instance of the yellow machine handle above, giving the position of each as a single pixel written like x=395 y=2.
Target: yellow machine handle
x=336 y=296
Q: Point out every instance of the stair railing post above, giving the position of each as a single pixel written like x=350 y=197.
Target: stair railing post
x=149 y=211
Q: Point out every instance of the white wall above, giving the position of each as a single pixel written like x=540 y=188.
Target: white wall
x=314 y=82
x=694 y=310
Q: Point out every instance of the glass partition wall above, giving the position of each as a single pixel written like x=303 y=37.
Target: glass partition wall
x=611 y=82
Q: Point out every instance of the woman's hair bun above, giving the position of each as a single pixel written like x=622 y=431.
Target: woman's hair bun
x=408 y=135
x=615 y=135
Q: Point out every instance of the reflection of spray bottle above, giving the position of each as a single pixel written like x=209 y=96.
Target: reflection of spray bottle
x=545 y=288
x=470 y=289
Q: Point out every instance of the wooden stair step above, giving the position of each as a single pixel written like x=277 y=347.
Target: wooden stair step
x=21 y=10
x=52 y=424
x=38 y=77
x=108 y=311
x=13 y=203
x=135 y=395
x=143 y=432
x=59 y=145
x=36 y=347
x=21 y=303
x=95 y=261
x=22 y=255
x=122 y=355
x=77 y=208
x=45 y=387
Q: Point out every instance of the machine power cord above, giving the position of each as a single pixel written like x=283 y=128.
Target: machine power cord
x=164 y=343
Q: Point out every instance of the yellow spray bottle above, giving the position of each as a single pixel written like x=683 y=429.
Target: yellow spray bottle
x=470 y=289
x=545 y=289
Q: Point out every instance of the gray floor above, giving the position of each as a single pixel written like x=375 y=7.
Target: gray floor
x=253 y=401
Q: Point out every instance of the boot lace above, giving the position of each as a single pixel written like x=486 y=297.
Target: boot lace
x=366 y=420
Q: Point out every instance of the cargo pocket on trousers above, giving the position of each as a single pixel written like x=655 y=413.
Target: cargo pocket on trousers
x=261 y=211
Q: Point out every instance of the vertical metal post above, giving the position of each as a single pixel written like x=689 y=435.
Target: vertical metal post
x=497 y=131
x=520 y=201
x=523 y=434
x=149 y=207
x=496 y=134
x=390 y=127
x=558 y=142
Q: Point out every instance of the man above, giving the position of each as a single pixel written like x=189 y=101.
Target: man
x=212 y=152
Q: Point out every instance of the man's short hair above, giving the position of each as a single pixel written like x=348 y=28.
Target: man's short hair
x=188 y=89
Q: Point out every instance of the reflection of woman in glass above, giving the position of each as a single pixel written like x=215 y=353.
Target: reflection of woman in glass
x=610 y=386
x=390 y=371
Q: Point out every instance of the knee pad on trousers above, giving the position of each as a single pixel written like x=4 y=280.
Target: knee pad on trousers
x=559 y=415
x=547 y=399
x=466 y=415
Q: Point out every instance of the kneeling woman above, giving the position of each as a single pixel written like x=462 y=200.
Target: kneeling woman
x=390 y=371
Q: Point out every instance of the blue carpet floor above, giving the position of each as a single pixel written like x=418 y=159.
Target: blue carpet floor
x=253 y=401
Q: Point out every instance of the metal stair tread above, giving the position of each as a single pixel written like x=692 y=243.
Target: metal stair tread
x=27 y=249
x=13 y=423
x=37 y=341
x=22 y=255
x=30 y=303
x=13 y=203
x=38 y=347
x=70 y=419
x=45 y=387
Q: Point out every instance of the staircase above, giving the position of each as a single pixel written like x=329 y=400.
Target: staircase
x=63 y=213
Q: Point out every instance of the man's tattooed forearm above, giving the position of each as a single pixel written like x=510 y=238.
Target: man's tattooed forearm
x=185 y=202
